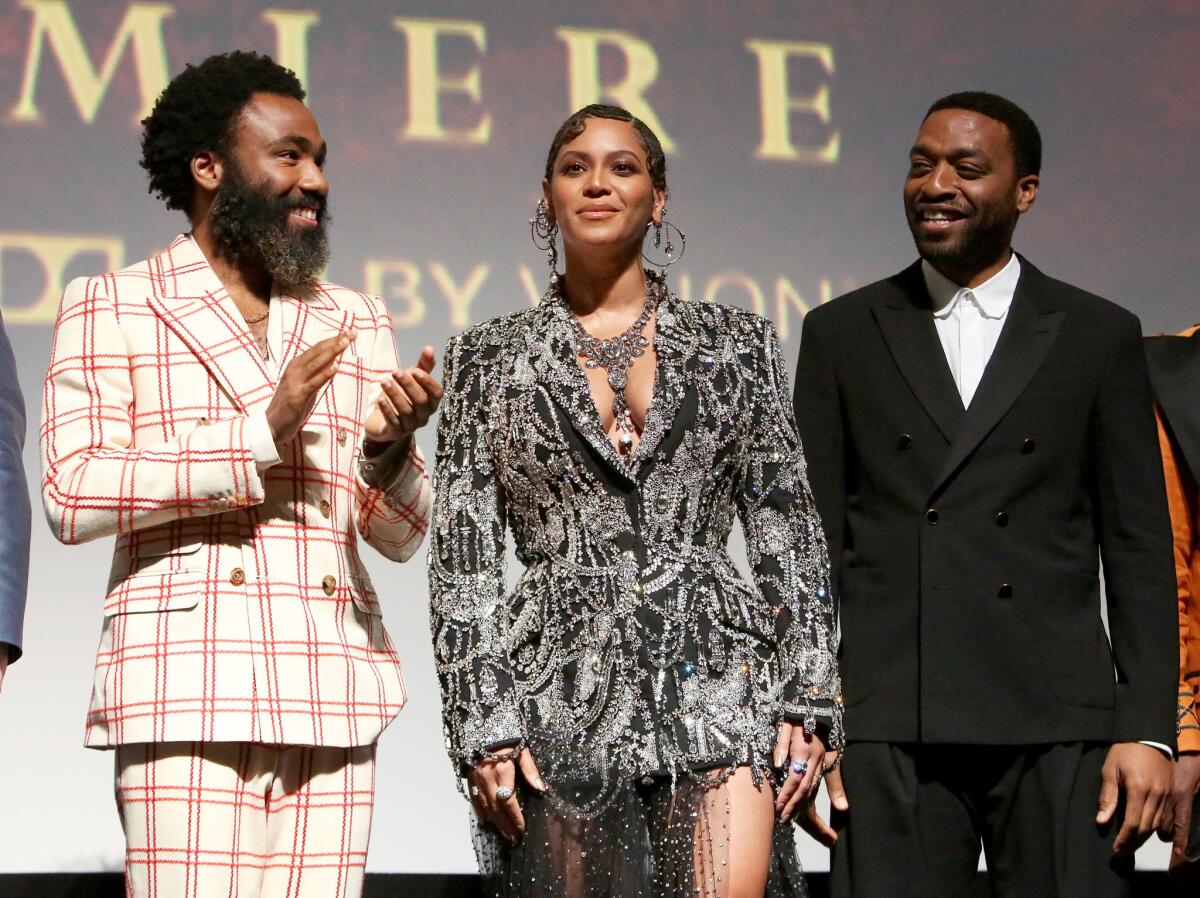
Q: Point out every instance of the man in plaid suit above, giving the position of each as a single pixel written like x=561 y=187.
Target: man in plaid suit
x=233 y=421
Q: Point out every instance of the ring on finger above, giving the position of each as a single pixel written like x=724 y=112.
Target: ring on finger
x=504 y=793
x=474 y=791
x=800 y=767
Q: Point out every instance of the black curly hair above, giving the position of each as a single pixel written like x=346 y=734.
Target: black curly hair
x=656 y=160
x=199 y=111
x=1023 y=135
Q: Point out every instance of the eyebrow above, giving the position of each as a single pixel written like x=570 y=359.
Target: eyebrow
x=579 y=154
x=922 y=149
x=305 y=144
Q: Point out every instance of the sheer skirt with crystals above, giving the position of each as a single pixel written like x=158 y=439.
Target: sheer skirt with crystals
x=651 y=839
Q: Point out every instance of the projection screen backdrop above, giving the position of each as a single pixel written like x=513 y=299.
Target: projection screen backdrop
x=787 y=125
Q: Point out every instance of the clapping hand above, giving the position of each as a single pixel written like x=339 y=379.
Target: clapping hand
x=410 y=397
x=301 y=383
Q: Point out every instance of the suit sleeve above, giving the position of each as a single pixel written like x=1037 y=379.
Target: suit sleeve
x=818 y=411
x=1182 y=503
x=14 y=499
x=392 y=495
x=786 y=550
x=1134 y=529
x=468 y=613
x=95 y=482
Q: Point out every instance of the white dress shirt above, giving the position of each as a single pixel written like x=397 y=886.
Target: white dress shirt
x=968 y=322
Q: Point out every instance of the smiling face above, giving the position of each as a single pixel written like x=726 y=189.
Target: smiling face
x=600 y=192
x=271 y=205
x=962 y=195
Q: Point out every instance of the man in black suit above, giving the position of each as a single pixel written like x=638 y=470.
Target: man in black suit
x=977 y=435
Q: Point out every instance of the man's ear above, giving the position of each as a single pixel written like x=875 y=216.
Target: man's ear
x=1027 y=188
x=207 y=170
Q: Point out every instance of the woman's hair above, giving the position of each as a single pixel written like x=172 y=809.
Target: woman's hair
x=656 y=160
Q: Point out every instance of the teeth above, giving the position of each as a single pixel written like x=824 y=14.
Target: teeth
x=310 y=214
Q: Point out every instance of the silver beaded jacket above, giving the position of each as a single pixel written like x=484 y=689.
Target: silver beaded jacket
x=630 y=646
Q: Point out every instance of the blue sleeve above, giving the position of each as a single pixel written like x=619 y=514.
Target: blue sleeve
x=14 y=503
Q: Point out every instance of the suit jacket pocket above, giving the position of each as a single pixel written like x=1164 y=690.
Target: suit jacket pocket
x=156 y=592
x=164 y=558
x=363 y=594
x=1068 y=640
x=743 y=609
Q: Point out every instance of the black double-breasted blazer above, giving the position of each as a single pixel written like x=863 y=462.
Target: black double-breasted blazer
x=966 y=542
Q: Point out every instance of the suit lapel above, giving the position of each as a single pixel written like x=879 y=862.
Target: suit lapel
x=306 y=322
x=569 y=387
x=905 y=319
x=673 y=405
x=192 y=302
x=1025 y=340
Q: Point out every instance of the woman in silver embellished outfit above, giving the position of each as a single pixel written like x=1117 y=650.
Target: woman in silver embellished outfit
x=620 y=717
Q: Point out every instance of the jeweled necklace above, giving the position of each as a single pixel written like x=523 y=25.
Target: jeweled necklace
x=616 y=355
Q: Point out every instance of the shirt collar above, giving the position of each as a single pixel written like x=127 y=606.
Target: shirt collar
x=993 y=296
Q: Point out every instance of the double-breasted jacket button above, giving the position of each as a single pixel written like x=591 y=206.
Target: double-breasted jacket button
x=1002 y=519
x=329 y=584
x=932 y=515
x=342 y=436
x=325 y=508
x=237 y=576
x=1005 y=591
x=1028 y=445
x=904 y=442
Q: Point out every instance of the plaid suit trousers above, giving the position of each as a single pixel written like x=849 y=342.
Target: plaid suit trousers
x=244 y=819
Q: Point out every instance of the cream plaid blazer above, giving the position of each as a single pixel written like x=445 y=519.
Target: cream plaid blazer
x=237 y=608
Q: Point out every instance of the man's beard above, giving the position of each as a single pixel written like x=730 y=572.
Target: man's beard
x=250 y=227
x=979 y=244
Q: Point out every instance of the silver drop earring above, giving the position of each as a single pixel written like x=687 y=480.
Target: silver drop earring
x=664 y=240
x=544 y=232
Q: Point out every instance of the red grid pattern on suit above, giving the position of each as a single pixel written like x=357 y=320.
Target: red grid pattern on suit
x=238 y=819
x=237 y=608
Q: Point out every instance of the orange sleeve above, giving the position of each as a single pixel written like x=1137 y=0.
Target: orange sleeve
x=1182 y=500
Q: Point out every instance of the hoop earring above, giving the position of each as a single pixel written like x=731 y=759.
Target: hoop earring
x=663 y=240
x=543 y=232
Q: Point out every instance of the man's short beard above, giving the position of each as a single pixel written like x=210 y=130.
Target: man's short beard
x=980 y=246
x=250 y=227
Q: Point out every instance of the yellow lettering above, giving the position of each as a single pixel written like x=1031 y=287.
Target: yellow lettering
x=742 y=282
x=778 y=105
x=426 y=84
x=396 y=281
x=291 y=38
x=641 y=70
x=53 y=253
x=459 y=297
x=788 y=299
x=53 y=23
